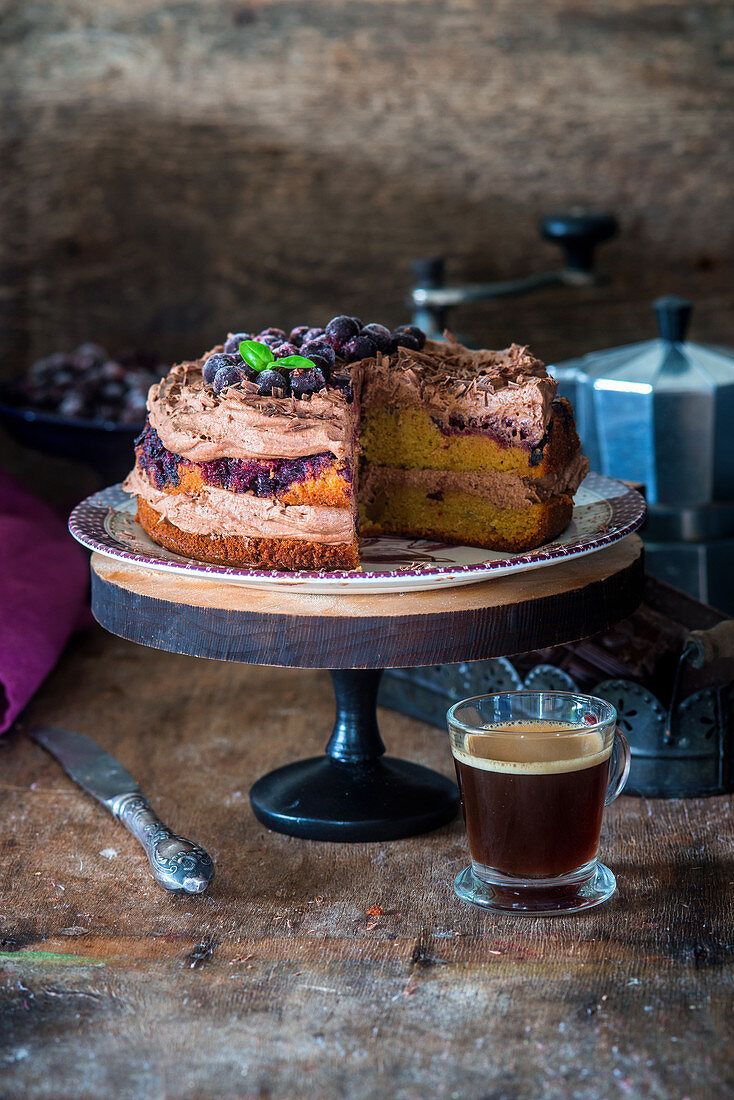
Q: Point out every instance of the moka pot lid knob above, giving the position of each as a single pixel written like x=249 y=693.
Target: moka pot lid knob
x=673 y=316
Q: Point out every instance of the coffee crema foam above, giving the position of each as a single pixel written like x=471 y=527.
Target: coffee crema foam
x=541 y=749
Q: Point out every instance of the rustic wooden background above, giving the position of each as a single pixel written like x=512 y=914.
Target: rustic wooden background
x=171 y=169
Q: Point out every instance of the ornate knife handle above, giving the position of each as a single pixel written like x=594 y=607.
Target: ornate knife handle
x=176 y=863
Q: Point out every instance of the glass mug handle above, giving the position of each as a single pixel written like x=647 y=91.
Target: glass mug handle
x=619 y=766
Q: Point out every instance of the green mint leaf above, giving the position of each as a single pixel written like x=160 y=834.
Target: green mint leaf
x=296 y=362
x=256 y=355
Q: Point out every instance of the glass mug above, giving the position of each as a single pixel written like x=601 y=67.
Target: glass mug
x=535 y=771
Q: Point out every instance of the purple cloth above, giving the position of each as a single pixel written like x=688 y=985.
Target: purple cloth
x=43 y=587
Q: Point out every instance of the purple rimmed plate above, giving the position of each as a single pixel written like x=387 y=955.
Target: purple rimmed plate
x=605 y=511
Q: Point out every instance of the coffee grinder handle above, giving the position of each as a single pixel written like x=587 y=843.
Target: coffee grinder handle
x=704 y=646
x=619 y=766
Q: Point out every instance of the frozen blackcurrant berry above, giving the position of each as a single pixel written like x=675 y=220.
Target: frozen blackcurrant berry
x=233 y=341
x=133 y=411
x=417 y=337
x=137 y=382
x=113 y=372
x=271 y=380
x=321 y=348
x=405 y=340
x=244 y=368
x=341 y=329
x=225 y=377
x=380 y=336
x=215 y=363
x=63 y=378
x=359 y=347
x=270 y=341
x=112 y=391
x=297 y=334
x=72 y=406
x=282 y=350
x=272 y=332
x=274 y=382
x=87 y=356
x=306 y=381
x=312 y=334
x=357 y=321
x=321 y=363
x=44 y=368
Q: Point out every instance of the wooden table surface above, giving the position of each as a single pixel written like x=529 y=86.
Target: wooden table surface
x=319 y=970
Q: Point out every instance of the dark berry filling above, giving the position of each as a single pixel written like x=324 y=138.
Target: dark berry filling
x=262 y=477
x=160 y=465
x=502 y=430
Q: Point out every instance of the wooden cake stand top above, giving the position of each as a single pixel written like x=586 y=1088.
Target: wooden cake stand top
x=354 y=792
x=511 y=614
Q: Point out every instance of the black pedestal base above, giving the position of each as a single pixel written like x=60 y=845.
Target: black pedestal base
x=354 y=792
x=324 y=799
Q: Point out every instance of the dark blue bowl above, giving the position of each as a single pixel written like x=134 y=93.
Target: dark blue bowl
x=102 y=444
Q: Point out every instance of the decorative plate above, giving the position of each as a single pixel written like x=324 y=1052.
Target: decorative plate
x=605 y=511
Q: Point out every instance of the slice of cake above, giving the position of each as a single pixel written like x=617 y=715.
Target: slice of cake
x=251 y=455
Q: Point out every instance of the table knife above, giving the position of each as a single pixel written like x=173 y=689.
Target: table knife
x=177 y=864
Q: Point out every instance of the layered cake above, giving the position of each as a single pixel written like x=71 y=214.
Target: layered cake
x=273 y=450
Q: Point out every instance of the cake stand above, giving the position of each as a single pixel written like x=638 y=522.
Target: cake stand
x=354 y=792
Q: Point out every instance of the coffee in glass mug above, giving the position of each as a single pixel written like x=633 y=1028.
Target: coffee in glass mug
x=534 y=774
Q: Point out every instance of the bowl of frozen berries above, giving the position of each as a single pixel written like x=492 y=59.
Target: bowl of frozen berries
x=83 y=405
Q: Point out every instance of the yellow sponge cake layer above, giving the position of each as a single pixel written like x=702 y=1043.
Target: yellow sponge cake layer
x=411 y=439
x=464 y=518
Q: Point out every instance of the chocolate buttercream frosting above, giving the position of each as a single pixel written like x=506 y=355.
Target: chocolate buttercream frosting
x=504 y=490
x=456 y=383
x=218 y=512
x=240 y=423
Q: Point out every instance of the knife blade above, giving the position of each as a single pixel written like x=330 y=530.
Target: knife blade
x=178 y=865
